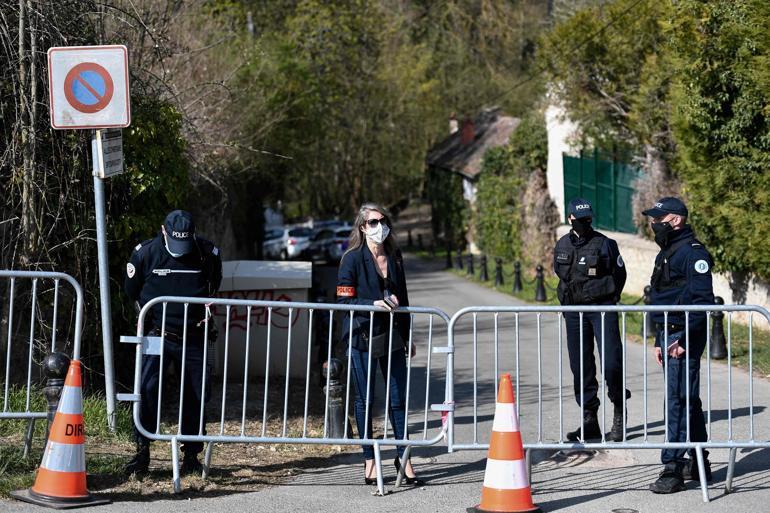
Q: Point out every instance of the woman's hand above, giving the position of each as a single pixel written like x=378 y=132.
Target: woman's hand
x=382 y=304
x=659 y=356
x=413 y=350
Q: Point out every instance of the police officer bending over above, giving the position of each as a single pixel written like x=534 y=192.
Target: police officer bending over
x=591 y=272
x=682 y=276
x=174 y=263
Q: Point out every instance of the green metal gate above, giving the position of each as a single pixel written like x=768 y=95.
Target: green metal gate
x=607 y=184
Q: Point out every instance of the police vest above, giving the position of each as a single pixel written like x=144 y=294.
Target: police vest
x=661 y=274
x=583 y=279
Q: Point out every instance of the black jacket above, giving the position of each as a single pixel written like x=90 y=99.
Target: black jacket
x=688 y=280
x=358 y=284
x=590 y=269
x=152 y=272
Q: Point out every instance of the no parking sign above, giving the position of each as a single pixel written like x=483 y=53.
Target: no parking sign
x=88 y=87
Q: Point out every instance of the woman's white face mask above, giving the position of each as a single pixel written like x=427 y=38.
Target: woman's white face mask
x=378 y=234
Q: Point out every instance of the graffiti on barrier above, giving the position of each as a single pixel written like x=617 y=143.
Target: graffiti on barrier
x=239 y=315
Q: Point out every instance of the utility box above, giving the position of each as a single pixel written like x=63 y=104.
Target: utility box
x=262 y=281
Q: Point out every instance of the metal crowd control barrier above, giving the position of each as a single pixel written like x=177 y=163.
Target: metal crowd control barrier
x=512 y=327
x=264 y=335
x=32 y=342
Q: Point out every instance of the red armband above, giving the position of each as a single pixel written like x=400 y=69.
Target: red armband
x=346 y=291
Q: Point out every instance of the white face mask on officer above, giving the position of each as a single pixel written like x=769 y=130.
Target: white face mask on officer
x=165 y=242
x=379 y=233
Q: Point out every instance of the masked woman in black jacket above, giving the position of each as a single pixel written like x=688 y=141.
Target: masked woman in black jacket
x=372 y=273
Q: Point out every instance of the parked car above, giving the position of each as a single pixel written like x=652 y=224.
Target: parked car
x=331 y=223
x=318 y=249
x=339 y=244
x=328 y=244
x=273 y=243
x=287 y=244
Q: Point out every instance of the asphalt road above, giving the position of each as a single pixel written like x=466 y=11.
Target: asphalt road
x=598 y=481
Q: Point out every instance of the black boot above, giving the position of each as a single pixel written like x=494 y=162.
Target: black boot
x=690 y=471
x=670 y=480
x=616 y=433
x=591 y=428
x=190 y=464
x=140 y=463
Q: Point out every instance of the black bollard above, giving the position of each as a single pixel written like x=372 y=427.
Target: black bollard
x=448 y=255
x=471 y=271
x=419 y=242
x=409 y=240
x=460 y=260
x=718 y=347
x=55 y=367
x=517 y=285
x=647 y=299
x=540 y=296
x=499 y=272
x=484 y=270
x=335 y=391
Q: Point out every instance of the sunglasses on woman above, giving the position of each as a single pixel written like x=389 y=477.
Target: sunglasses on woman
x=374 y=222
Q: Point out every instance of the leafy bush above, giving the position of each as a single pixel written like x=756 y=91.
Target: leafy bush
x=501 y=187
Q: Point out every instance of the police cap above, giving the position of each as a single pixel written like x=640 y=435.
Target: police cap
x=180 y=231
x=667 y=205
x=580 y=207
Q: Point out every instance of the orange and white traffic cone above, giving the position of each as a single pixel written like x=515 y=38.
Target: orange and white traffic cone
x=61 y=479
x=506 y=484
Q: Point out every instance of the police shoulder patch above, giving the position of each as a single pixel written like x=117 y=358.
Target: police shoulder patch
x=130 y=270
x=620 y=261
x=215 y=251
x=701 y=266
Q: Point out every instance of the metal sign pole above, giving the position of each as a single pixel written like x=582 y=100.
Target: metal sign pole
x=104 y=279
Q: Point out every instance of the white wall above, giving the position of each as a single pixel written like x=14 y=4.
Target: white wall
x=560 y=133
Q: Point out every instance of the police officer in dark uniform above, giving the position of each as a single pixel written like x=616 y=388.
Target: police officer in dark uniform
x=175 y=263
x=682 y=276
x=591 y=272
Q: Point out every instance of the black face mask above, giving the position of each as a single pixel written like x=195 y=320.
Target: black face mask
x=581 y=226
x=662 y=233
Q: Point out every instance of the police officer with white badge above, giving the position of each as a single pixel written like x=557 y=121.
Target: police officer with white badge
x=591 y=272
x=175 y=263
x=682 y=276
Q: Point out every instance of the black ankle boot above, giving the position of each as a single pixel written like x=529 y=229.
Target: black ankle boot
x=140 y=463
x=690 y=470
x=590 y=426
x=618 y=421
x=190 y=464
x=670 y=480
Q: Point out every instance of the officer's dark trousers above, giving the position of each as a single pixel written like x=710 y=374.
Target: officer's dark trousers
x=677 y=398
x=191 y=406
x=613 y=356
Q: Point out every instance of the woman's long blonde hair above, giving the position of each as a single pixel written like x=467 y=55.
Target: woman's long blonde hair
x=358 y=238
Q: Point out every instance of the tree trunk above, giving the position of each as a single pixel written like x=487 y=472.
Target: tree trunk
x=654 y=184
x=27 y=144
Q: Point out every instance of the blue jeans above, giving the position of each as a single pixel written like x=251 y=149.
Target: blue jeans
x=396 y=410
x=677 y=399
